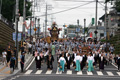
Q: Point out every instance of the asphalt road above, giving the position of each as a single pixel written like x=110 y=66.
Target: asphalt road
x=31 y=73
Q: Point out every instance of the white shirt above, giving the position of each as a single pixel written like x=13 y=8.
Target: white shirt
x=4 y=54
x=38 y=57
x=101 y=58
x=68 y=58
x=78 y=58
x=63 y=59
x=90 y=58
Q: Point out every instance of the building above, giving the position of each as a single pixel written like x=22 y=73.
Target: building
x=6 y=30
x=113 y=19
x=101 y=32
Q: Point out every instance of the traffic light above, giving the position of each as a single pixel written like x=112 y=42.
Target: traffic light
x=93 y=21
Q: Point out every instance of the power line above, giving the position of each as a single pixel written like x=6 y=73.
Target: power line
x=76 y=1
x=68 y=9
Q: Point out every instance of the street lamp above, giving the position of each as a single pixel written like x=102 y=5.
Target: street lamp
x=84 y=28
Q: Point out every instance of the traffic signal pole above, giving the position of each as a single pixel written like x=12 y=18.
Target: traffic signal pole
x=16 y=21
x=24 y=18
x=96 y=19
x=84 y=28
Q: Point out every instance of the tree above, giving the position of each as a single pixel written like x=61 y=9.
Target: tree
x=117 y=4
x=8 y=9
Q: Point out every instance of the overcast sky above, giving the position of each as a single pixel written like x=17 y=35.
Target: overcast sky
x=86 y=10
x=70 y=17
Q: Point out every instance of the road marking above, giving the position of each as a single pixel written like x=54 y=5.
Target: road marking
x=29 y=71
x=48 y=72
x=114 y=65
x=110 y=73
x=2 y=68
x=118 y=73
x=79 y=73
x=89 y=73
x=30 y=63
x=58 y=72
x=69 y=72
x=39 y=72
x=99 y=73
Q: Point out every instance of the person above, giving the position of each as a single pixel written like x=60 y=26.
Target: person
x=15 y=51
x=62 y=63
x=90 y=61
x=83 y=63
x=38 y=60
x=12 y=63
x=77 y=61
x=50 y=60
x=53 y=49
x=68 y=61
x=22 y=49
x=101 y=62
x=118 y=62
x=4 y=53
x=22 y=60
x=8 y=55
x=36 y=53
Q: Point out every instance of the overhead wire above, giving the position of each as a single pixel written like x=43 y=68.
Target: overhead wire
x=68 y=9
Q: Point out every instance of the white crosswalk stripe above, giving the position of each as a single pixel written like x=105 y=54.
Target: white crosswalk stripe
x=118 y=73
x=58 y=72
x=48 y=72
x=110 y=73
x=69 y=71
x=39 y=72
x=79 y=73
x=29 y=71
x=99 y=73
x=89 y=73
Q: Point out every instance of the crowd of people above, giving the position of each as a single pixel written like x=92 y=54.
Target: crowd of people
x=71 y=53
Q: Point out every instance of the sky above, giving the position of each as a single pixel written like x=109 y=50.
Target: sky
x=70 y=17
x=86 y=10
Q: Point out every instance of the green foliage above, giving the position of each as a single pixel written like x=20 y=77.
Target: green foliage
x=116 y=43
x=117 y=3
x=8 y=8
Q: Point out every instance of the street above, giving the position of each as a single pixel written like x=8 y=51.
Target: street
x=31 y=73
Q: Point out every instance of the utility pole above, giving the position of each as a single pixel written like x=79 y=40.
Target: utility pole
x=35 y=26
x=30 y=29
x=38 y=27
x=106 y=24
x=96 y=19
x=16 y=21
x=78 y=26
x=24 y=18
x=43 y=30
x=46 y=21
x=84 y=28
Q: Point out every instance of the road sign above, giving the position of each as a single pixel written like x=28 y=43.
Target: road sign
x=77 y=29
x=32 y=31
x=35 y=29
x=38 y=30
x=19 y=36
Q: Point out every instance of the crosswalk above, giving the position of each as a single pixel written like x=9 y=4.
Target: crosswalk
x=70 y=72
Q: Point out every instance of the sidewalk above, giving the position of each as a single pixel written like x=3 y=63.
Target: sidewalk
x=5 y=71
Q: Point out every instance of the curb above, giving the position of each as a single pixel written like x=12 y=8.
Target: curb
x=17 y=71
